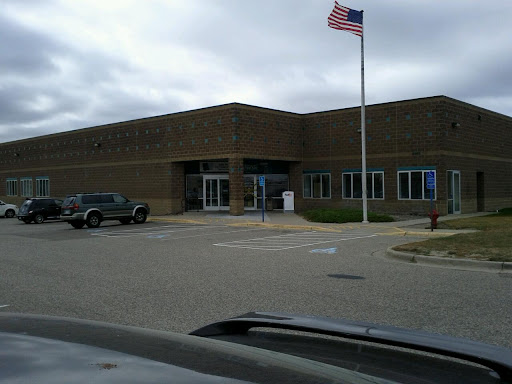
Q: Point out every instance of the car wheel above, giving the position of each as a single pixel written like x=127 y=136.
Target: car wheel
x=125 y=221
x=93 y=220
x=140 y=216
x=77 y=224
x=38 y=219
x=9 y=214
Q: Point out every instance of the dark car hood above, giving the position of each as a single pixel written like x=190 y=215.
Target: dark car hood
x=42 y=349
x=28 y=359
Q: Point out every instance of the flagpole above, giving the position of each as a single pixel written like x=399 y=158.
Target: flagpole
x=363 y=134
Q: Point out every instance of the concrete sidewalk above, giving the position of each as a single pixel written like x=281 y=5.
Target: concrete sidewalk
x=413 y=227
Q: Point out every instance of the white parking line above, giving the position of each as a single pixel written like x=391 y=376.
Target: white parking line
x=3 y=306
x=294 y=240
x=216 y=233
x=150 y=231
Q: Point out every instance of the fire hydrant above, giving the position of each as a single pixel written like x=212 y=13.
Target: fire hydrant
x=433 y=218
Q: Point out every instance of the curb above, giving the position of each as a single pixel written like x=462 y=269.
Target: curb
x=248 y=224
x=401 y=232
x=285 y=226
x=185 y=221
x=464 y=264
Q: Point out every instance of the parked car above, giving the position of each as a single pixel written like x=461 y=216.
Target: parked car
x=8 y=210
x=244 y=349
x=39 y=210
x=93 y=208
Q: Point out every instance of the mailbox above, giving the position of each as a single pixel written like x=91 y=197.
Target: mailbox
x=288 y=201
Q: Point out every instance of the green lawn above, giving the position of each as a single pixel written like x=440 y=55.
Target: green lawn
x=493 y=241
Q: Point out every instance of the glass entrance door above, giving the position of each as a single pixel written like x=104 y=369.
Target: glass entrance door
x=216 y=192
x=250 y=192
x=453 y=192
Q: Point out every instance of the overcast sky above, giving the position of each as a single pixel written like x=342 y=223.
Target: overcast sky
x=72 y=64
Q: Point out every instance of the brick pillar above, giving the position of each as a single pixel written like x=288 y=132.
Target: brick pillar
x=177 y=194
x=236 y=186
x=295 y=178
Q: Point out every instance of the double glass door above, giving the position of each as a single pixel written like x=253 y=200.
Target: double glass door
x=216 y=193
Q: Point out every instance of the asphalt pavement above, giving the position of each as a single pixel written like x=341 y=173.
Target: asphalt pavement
x=178 y=276
x=405 y=226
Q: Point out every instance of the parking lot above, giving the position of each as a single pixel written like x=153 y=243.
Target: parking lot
x=178 y=276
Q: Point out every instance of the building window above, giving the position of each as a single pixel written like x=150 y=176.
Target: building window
x=26 y=186
x=412 y=185
x=12 y=187
x=317 y=185
x=42 y=186
x=353 y=186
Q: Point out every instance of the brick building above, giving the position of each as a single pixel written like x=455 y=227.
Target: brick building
x=211 y=158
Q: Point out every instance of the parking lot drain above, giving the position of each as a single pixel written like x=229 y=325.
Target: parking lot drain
x=347 y=277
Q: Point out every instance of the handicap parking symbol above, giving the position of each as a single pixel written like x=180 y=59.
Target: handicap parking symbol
x=156 y=236
x=325 y=250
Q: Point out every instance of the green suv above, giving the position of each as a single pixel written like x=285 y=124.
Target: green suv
x=93 y=208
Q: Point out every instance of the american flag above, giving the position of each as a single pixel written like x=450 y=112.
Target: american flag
x=346 y=19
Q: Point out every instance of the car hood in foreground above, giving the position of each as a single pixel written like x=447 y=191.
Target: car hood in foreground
x=41 y=349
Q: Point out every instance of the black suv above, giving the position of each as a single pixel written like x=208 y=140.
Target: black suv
x=93 y=208
x=39 y=210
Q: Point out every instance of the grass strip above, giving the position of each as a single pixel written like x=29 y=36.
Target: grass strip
x=492 y=243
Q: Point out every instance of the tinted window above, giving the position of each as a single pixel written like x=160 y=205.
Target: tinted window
x=107 y=199
x=26 y=203
x=91 y=199
x=120 y=199
x=69 y=201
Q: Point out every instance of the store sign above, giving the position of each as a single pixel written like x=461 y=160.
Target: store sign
x=213 y=166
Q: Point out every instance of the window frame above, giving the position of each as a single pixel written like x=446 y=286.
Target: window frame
x=26 y=187
x=11 y=186
x=42 y=186
x=358 y=172
x=320 y=175
x=425 y=194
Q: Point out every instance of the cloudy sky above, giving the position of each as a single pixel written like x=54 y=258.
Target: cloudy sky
x=72 y=64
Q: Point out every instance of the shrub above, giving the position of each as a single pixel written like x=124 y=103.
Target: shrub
x=328 y=215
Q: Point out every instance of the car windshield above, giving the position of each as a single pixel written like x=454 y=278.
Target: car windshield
x=172 y=165
x=27 y=203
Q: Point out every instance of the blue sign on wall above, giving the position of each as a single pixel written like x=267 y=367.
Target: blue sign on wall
x=262 y=181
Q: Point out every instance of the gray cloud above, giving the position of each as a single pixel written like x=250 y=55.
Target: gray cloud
x=170 y=57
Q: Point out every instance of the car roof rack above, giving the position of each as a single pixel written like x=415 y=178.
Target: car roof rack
x=492 y=356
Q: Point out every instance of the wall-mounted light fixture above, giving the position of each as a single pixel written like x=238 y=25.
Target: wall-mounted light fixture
x=455 y=125
x=97 y=144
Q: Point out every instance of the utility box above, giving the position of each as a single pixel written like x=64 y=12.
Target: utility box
x=288 y=201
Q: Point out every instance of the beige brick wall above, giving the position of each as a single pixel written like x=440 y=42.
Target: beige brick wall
x=144 y=159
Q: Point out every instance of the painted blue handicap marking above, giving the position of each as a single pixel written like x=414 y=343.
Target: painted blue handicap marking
x=325 y=250
x=156 y=236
